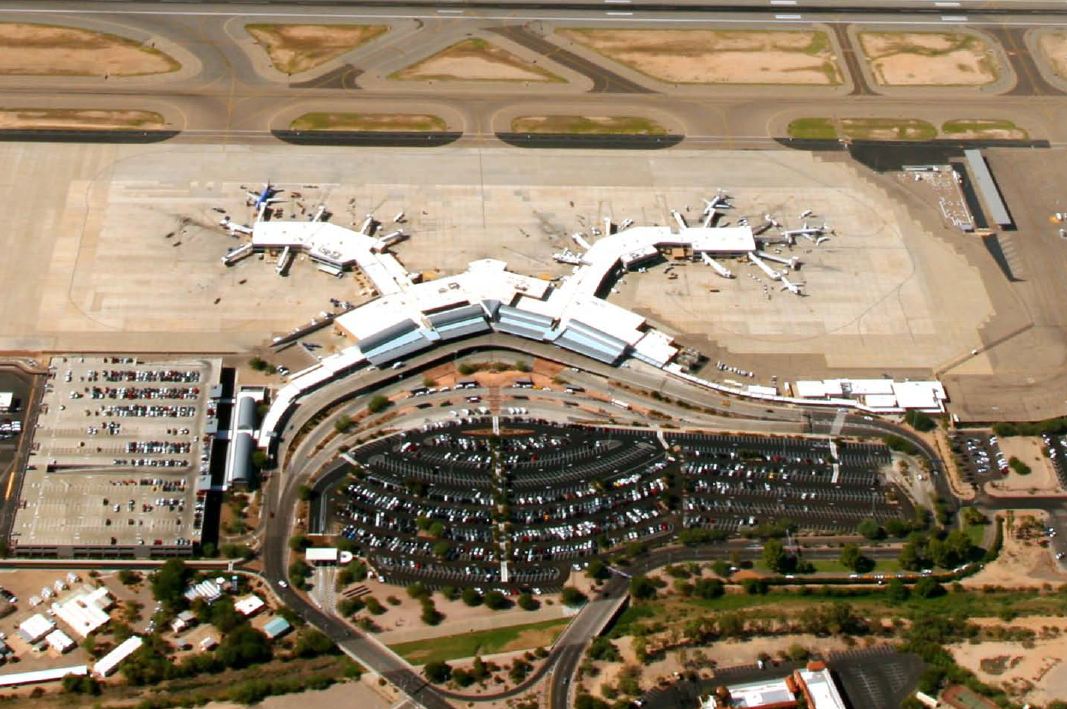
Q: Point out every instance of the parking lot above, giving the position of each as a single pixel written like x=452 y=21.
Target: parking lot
x=733 y=482
x=117 y=446
x=978 y=457
x=516 y=502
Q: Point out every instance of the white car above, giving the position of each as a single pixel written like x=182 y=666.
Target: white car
x=282 y=583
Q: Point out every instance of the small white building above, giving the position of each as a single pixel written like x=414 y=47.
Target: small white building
x=321 y=555
x=35 y=628
x=110 y=662
x=249 y=605
x=59 y=641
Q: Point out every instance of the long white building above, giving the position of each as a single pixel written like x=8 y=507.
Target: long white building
x=408 y=316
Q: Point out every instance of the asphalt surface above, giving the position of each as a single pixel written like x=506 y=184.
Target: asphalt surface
x=230 y=97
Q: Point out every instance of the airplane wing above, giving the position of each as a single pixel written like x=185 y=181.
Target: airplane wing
x=252 y=195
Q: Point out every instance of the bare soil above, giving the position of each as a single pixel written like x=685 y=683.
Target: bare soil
x=1053 y=46
x=928 y=58
x=475 y=60
x=296 y=48
x=719 y=57
x=90 y=119
x=1042 y=478
x=1023 y=562
x=47 y=50
x=1031 y=671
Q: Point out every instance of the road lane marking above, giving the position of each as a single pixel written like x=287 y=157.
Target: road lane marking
x=787 y=17
x=953 y=18
x=619 y=14
x=783 y=2
x=946 y=4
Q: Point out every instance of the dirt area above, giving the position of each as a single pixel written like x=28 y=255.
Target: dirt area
x=1023 y=562
x=296 y=48
x=928 y=58
x=91 y=119
x=614 y=125
x=719 y=57
x=704 y=659
x=1042 y=478
x=1054 y=46
x=1029 y=670
x=47 y=50
x=983 y=129
x=474 y=60
x=384 y=122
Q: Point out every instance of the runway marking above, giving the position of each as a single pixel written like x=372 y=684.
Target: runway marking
x=783 y=2
x=450 y=12
x=618 y=14
x=787 y=17
x=946 y=4
x=953 y=18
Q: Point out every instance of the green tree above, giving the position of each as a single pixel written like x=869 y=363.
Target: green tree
x=128 y=577
x=471 y=597
x=920 y=421
x=343 y=423
x=774 y=556
x=642 y=588
x=437 y=672
x=377 y=403
x=495 y=600
x=708 y=588
x=598 y=570
x=304 y=493
x=242 y=647
x=528 y=603
x=871 y=529
x=313 y=643
x=928 y=587
x=570 y=596
x=169 y=582
x=897 y=591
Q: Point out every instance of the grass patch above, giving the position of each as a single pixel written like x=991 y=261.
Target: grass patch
x=989 y=128
x=812 y=129
x=474 y=59
x=515 y=637
x=74 y=118
x=373 y=122
x=976 y=533
x=296 y=48
x=887 y=129
x=588 y=125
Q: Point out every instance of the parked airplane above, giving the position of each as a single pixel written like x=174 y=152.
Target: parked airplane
x=268 y=195
x=790 y=286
